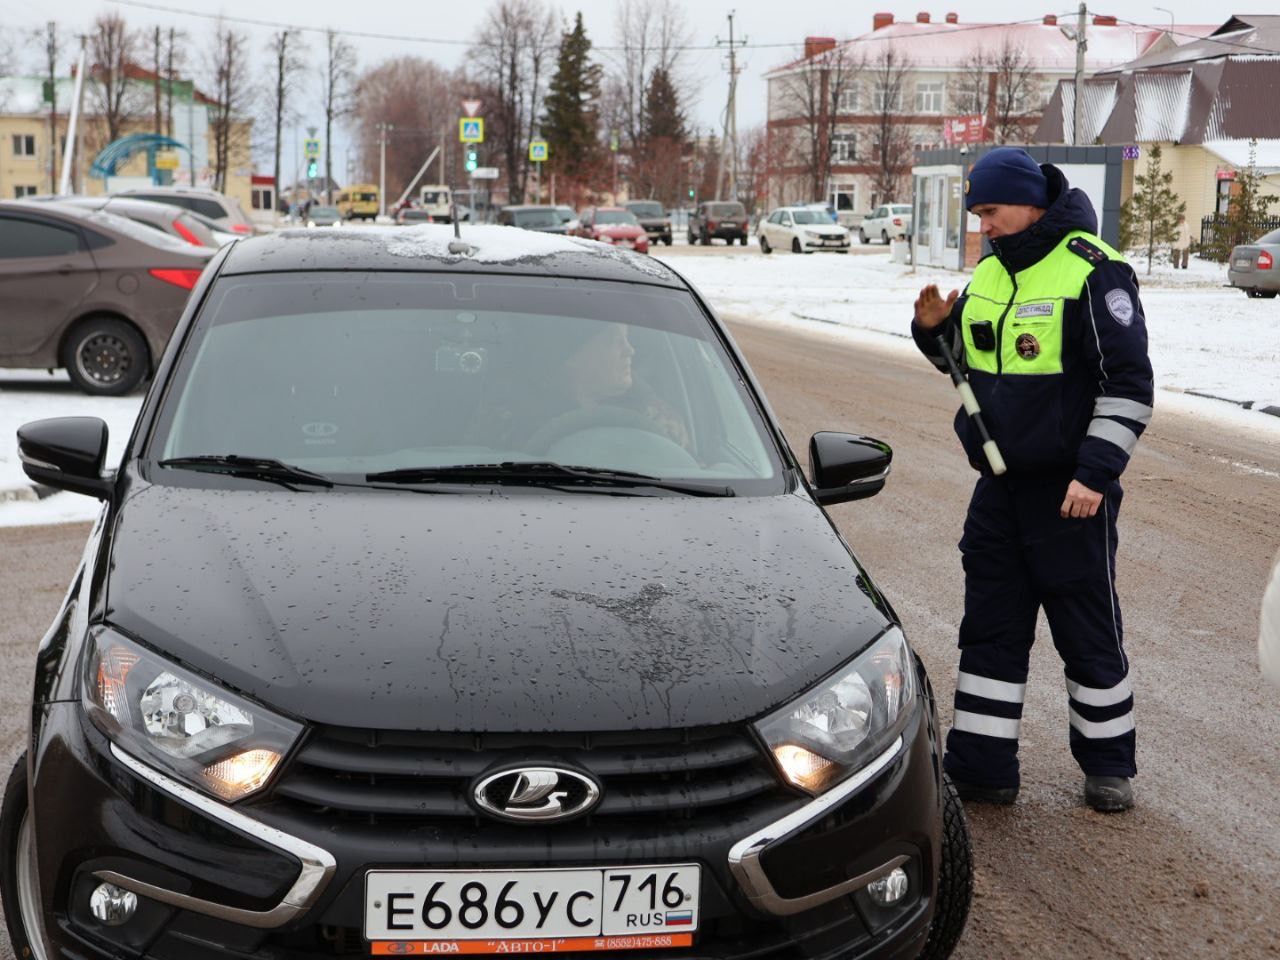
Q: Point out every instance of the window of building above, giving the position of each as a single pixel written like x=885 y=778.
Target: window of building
x=262 y=198
x=929 y=97
x=21 y=191
x=847 y=99
x=24 y=145
x=844 y=147
x=887 y=97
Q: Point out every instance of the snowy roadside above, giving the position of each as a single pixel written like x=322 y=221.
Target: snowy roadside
x=1206 y=342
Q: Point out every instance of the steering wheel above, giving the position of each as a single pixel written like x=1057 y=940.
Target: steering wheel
x=587 y=418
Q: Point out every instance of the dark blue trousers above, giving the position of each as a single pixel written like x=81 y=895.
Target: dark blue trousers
x=1020 y=556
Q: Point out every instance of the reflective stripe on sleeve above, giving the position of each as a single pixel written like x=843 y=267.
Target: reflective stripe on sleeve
x=1104 y=730
x=1120 y=407
x=991 y=689
x=1113 y=432
x=1097 y=696
x=986 y=726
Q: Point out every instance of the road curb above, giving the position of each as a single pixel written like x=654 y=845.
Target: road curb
x=1262 y=406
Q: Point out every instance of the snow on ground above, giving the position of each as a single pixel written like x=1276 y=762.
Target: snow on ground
x=1205 y=339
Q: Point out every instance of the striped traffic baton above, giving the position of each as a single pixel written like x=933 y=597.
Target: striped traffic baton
x=971 y=407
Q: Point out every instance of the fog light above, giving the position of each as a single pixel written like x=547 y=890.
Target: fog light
x=890 y=888
x=112 y=905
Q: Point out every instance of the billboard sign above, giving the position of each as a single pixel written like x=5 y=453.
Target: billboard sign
x=971 y=128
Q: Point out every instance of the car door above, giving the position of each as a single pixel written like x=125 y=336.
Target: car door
x=46 y=271
x=786 y=230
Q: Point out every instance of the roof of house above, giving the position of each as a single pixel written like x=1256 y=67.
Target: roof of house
x=21 y=96
x=1242 y=35
x=933 y=45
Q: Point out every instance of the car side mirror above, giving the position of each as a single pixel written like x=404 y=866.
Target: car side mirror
x=67 y=453
x=846 y=467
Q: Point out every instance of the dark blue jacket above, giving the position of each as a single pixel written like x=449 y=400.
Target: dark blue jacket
x=1085 y=421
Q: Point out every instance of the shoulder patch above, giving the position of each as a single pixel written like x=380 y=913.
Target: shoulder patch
x=1120 y=306
x=1086 y=250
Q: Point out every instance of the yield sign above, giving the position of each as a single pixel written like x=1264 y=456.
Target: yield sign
x=469 y=107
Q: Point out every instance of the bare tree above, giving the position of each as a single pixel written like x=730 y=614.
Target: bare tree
x=419 y=98
x=288 y=50
x=112 y=46
x=1002 y=85
x=813 y=96
x=232 y=100
x=891 y=135
x=649 y=36
x=338 y=99
x=512 y=51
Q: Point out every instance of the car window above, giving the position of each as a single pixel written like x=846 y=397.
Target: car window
x=615 y=216
x=902 y=208
x=325 y=212
x=210 y=208
x=726 y=210
x=536 y=218
x=786 y=220
x=31 y=238
x=645 y=209
x=356 y=374
x=775 y=217
x=811 y=216
x=566 y=214
x=435 y=196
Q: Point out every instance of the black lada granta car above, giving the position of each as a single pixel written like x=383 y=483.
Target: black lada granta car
x=463 y=596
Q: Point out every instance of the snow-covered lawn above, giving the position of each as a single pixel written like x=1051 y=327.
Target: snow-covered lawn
x=1205 y=339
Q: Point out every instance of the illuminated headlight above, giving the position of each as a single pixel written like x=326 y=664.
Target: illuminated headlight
x=831 y=731
x=311 y=223
x=183 y=724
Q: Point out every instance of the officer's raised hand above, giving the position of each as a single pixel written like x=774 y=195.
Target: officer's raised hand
x=931 y=309
x=1080 y=501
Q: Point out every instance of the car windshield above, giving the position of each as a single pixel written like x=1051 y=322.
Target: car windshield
x=350 y=375
x=324 y=212
x=900 y=208
x=566 y=214
x=434 y=196
x=726 y=210
x=615 y=216
x=535 y=218
x=810 y=216
x=646 y=209
x=367 y=197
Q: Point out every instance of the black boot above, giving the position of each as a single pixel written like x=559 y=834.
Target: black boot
x=1108 y=794
x=978 y=793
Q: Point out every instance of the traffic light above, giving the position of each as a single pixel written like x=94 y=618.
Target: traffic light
x=472 y=161
x=313 y=168
x=691 y=193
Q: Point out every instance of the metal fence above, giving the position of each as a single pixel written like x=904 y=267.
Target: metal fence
x=1215 y=244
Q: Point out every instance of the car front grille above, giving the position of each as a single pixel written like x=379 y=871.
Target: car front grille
x=673 y=775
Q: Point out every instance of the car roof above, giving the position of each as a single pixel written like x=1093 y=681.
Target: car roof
x=425 y=248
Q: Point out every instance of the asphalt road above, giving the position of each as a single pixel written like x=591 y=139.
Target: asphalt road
x=1194 y=871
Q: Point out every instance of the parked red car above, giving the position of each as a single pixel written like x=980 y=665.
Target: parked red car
x=613 y=225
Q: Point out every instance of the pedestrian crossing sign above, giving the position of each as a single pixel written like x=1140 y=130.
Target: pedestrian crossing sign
x=311 y=148
x=538 y=151
x=471 y=129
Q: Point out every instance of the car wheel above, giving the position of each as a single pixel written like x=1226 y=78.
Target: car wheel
x=764 y=244
x=106 y=357
x=18 y=891
x=667 y=240
x=795 y=245
x=862 y=237
x=955 y=878
x=743 y=240
x=884 y=236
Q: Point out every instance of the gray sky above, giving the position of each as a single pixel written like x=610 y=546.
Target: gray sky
x=780 y=24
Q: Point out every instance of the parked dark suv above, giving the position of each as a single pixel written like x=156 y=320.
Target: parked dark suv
x=655 y=220
x=723 y=219
x=464 y=596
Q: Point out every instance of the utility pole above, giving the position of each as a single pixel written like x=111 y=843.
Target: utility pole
x=71 y=154
x=52 y=49
x=1081 y=44
x=729 y=143
x=383 y=130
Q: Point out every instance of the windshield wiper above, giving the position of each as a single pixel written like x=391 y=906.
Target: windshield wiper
x=543 y=472
x=257 y=468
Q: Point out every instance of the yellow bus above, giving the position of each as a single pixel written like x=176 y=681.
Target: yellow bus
x=360 y=200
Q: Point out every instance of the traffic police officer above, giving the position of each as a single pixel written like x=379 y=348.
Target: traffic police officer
x=1053 y=337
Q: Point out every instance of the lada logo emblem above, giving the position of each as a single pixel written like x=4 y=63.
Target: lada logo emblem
x=536 y=794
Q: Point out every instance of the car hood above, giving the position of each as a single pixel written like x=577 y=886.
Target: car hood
x=503 y=611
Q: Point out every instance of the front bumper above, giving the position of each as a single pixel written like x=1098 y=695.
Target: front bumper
x=264 y=879
x=811 y=243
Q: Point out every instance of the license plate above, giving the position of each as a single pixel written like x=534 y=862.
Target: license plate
x=509 y=905
x=1240 y=262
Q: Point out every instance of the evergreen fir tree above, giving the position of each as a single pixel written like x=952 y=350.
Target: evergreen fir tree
x=570 y=121
x=1150 y=217
x=662 y=118
x=1248 y=209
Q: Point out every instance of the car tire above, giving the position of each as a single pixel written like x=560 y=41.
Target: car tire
x=742 y=240
x=18 y=893
x=795 y=245
x=106 y=356
x=862 y=237
x=764 y=245
x=955 y=878
x=884 y=236
x=667 y=240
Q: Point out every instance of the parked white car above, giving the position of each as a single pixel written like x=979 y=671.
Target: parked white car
x=889 y=221
x=801 y=230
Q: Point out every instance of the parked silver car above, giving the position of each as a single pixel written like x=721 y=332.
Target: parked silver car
x=889 y=221
x=1255 y=267
x=223 y=210
x=176 y=222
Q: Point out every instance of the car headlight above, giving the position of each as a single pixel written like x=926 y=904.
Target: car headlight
x=814 y=234
x=311 y=223
x=834 y=729
x=201 y=734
